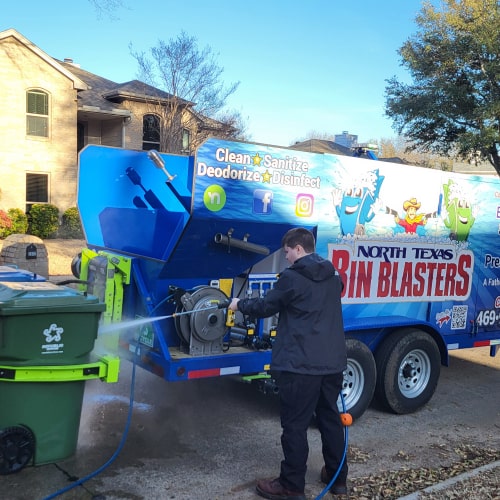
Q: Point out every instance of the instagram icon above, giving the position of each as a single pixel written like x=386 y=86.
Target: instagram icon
x=304 y=204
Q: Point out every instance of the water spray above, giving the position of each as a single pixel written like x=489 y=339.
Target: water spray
x=111 y=328
x=141 y=321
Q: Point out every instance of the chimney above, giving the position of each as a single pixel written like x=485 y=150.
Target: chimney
x=68 y=60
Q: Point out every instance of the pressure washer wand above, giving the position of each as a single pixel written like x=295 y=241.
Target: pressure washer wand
x=174 y=315
x=221 y=305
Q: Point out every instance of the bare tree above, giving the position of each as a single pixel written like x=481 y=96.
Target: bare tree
x=399 y=147
x=316 y=134
x=108 y=8
x=194 y=97
x=235 y=126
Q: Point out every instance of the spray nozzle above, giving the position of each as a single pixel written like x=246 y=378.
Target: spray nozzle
x=155 y=157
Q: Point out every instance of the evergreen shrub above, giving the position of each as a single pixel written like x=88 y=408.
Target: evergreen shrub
x=43 y=220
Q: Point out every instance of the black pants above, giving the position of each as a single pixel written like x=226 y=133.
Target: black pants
x=300 y=397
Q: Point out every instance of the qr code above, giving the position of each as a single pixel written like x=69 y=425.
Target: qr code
x=459 y=317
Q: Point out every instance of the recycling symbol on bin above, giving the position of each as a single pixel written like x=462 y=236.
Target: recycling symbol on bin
x=53 y=333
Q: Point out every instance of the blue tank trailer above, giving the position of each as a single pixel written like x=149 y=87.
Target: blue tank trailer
x=171 y=237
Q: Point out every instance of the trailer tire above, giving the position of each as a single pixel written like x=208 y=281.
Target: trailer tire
x=408 y=367
x=359 y=378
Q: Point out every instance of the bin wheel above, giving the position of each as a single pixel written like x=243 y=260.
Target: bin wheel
x=17 y=445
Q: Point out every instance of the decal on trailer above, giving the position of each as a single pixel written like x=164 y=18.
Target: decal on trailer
x=373 y=271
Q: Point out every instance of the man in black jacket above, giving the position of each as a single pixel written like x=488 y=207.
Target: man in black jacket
x=308 y=360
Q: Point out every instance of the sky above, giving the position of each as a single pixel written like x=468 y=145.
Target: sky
x=303 y=66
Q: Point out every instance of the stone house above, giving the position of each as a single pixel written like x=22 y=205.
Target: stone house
x=51 y=109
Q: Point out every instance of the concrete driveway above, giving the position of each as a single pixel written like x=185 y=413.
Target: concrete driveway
x=210 y=439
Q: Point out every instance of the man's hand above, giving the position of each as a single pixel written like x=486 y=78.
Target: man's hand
x=233 y=306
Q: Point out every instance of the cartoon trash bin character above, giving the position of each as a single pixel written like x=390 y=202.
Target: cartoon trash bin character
x=460 y=214
x=356 y=205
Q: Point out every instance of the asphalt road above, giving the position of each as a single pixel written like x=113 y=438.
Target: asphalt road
x=211 y=439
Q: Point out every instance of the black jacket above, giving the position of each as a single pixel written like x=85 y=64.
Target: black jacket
x=310 y=337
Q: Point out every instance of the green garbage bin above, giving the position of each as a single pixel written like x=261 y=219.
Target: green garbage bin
x=42 y=324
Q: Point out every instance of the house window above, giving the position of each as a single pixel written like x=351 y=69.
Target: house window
x=37 y=189
x=150 y=132
x=37 y=113
x=186 y=140
x=80 y=136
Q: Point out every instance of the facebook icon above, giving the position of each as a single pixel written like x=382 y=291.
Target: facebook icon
x=262 y=201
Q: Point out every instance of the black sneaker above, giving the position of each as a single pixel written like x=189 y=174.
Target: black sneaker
x=338 y=488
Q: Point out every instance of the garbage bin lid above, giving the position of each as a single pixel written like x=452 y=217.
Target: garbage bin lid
x=40 y=294
x=9 y=273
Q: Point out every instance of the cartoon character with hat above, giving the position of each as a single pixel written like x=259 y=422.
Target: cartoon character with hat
x=412 y=219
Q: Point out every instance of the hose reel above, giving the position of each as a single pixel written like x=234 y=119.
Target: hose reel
x=202 y=326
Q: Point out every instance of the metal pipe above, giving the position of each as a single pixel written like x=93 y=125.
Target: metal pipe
x=222 y=239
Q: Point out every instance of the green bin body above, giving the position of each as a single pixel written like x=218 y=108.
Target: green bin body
x=50 y=410
x=45 y=324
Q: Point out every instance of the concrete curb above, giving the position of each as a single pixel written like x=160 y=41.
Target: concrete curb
x=451 y=481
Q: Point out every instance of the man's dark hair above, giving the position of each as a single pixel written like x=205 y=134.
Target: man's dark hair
x=299 y=236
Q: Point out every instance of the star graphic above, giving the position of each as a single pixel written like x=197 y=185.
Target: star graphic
x=52 y=333
x=257 y=159
x=266 y=176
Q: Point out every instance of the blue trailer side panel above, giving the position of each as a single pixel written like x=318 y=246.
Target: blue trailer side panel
x=414 y=246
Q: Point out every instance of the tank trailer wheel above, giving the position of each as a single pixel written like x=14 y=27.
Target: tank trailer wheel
x=408 y=368
x=359 y=378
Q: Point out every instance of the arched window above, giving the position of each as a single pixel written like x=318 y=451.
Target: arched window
x=150 y=132
x=37 y=113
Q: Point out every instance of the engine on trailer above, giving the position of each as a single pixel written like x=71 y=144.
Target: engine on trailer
x=200 y=322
